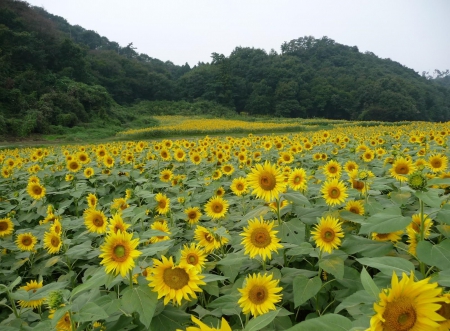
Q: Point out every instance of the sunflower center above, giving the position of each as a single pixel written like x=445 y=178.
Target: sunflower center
x=297 y=179
x=192 y=259
x=162 y=204
x=258 y=294
x=240 y=187
x=261 y=238
x=218 y=208
x=98 y=221
x=192 y=215
x=400 y=315
x=335 y=193
x=119 y=251
x=358 y=185
x=73 y=165
x=267 y=181
x=402 y=169
x=328 y=235
x=227 y=169
x=382 y=235
x=354 y=210
x=436 y=163
x=175 y=278
x=3 y=226
x=37 y=190
x=444 y=311
x=332 y=169
x=55 y=241
x=26 y=241
x=209 y=238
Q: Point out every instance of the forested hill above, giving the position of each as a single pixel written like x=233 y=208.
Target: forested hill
x=55 y=74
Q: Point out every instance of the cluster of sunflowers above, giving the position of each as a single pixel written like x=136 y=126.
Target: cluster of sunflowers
x=273 y=232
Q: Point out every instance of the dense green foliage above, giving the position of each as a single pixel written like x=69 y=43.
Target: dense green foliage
x=55 y=75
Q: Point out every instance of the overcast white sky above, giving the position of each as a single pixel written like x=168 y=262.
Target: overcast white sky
x=415 y=33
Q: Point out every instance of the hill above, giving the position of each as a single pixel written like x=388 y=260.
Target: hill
x=55 y=75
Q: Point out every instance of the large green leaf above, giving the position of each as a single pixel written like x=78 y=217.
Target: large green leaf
x=334 y=265
x=430 y=198
x=98 y=279
x=388 y=264
x=261 y=321
x=292 y=232
x=90 y=312
x=140 y=299
x=355 y=299
x=368 y=284
x=366 y=247
x=435 y=255
x=170 y=318
x=389 y=220
x=305 y=288
x=329 y=322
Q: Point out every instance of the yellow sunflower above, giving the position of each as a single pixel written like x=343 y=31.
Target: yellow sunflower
x=32 y=287
x=36 y=191
x=401 y=168
x=259 y=294
x=193 y=215
x=208 y=239
x=73 y=166
x=174 y=282
x=26 y=241
x=179 y=155
x=355 y=207
x=203 y=327
x=408 y=306
x=193 y=255
x=332 y=169
x=267 y=181
x=195 y=158
x=216 y=207
x=334 y=192
x=392 y=236
x=327 y=234
x=52 y=242
x=444 y=311
x=163 y=203
x=239 y=186
x=260 y=239
x=95 y=220
x=119 y=204
x=297 y=179
x=108 y=161
x=116 y=224
x=119 y=252
x=227 y=169
x=160 y=226
x=6 y=227
x=89 y=172
x=56 y=227
x=166 y=175
x=416 y=223
x=92 y=200
x=437 y=163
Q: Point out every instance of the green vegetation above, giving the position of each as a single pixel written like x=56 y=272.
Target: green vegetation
x=57 y=79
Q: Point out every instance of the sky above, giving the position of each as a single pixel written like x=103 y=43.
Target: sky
x=415 y=33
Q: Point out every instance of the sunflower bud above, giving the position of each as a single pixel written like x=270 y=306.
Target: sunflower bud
x=417 y=181
x=363 y=175
x=55 y=299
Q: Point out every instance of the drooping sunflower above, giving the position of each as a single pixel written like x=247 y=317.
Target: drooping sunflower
x=116 y=224
x=203 y=327
x=26 y=241
x=259 y=294
x=95 y=220
x=334 y=192
x=52 y=242
x=267 y=181
x=160 y=225
x=36 y=191
x=332 y=169
x=401 y=168
x=92 y=200
x=297 y=179
x=437 y=163
x=239 y=186
x=327 y=234
x=260 y=238
x=119 y=252
x=194 y=255
x=355 y=207
x=216 y=207
x=208 y=239
x=6 y=227
x=408 y=306
x=32 y=287
x=193 y=215
x=174 y=282
x=163 y=203
x=391 y=236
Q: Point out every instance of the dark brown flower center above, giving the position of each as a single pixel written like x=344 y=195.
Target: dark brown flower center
x=399 y=315
x=258 y=294
x=175 y=278
x=267 y=181
x=328 y=235
x=260 y=238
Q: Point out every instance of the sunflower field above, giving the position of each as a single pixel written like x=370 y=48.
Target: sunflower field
x=345 y=229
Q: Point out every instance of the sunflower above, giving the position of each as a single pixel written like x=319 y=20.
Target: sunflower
x=193 y=215
x=73 y=166
x=286 y=157
x=83 y=157
x=332 y=169
x=26 y=241
x=297 y=179
x=69 y=177
x=36 y=191
x=260 y=239
x=166 y=175
x=160 y=225
x=56 y=226
x=216 y=207
x=165 y=154
x=266 y=181
x=179 y=155
x=220 y=192
x=52 y=242
x=88 y=172
x=438 y=162
x=355 y=207
x=193 y=255
x=327 y=234
x=208 y=239
x=119 y=204
x=174 y=282
x=416 y=223
x=116 y=224
x=203 y=327
x=239 y=186
x=444 y=311
x=260 y=294
x=334 y=192
x=34 y=179
x=95 y=220
x=6 y=227
x=392 y=236
x=119 y=252
x=368 y=155
x=401 y=168
x=195 y=158
x=227 y=169
x=163 y=203
x=92 y=200
x=31 y=287
x=108 y=161
x=407 y=306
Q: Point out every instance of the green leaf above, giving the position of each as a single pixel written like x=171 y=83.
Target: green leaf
x=388 y=264
x=349 y=216
x=46 y=289
x=292 y=232
x=329 y=322
x=430 y=198
x=14 y=283
x=297 y=198
x=333 y=265
x=389 y=220
x=400 y=198
x=305 y=288
x=435 y=255
x=98 y=279
x=170 y=319
x=368 y=283
x=355 y=299
x=261 y=321
x=443 y=215
x=90 y=312
x=225 y=301
x=140 y=299
x=211 y=278
x=79 y=251
x=366 y=247
x=302 y=249
x=152 y=249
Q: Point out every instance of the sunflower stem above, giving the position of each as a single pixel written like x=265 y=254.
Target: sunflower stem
x=247 y=317
x=422 y=233
x=318 y=262
x=131 y=278
x=13 y=306
x=264 y=264
x=278 y=211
